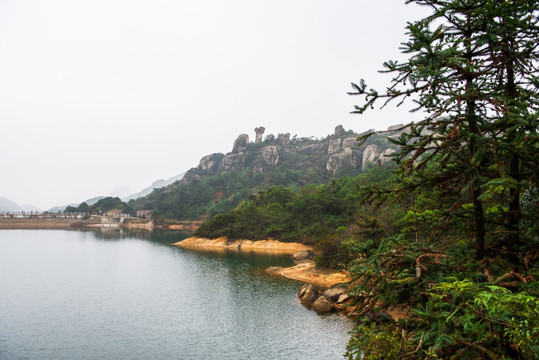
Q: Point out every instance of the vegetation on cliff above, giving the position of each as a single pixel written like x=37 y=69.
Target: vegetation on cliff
x=222 y=181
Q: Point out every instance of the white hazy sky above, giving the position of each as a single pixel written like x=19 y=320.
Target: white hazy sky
x=103 y=93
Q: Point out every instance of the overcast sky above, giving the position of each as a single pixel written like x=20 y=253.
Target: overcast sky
x=104 y=93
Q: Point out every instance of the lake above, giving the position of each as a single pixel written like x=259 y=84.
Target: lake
x=119 y=295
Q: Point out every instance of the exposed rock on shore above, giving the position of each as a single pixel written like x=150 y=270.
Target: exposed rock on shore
x=321 y=301
x=244 y=245
x=304 y=270
x=307 y=272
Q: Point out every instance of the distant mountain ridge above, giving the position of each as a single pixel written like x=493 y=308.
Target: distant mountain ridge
x=7 y=205
x=155 y=185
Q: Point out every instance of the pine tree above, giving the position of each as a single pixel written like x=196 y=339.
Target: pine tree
x=472 y=72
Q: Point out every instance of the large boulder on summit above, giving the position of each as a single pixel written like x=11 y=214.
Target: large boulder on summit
x=283 y=139
x=240 y=143
x=339 y=130
x=259 y=131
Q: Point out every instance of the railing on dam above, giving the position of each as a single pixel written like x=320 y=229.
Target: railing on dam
x=41 y=215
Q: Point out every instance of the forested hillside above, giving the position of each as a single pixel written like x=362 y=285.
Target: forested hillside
x=221 y=181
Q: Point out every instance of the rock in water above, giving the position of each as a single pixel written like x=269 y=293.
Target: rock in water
x=334 y=293
x=308 y=294
x=343 y=298
x=322 y=305
x=303 y=255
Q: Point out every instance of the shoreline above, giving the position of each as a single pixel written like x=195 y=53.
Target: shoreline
x=260 y=246
x=304 y=271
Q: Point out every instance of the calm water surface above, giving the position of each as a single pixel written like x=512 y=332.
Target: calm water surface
x=113 y=295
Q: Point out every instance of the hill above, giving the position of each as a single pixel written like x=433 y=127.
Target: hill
x=221 y=181
x=155 y=185
x=7 y=205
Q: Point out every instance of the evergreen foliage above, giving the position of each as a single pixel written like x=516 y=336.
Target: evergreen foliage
x=469 y=167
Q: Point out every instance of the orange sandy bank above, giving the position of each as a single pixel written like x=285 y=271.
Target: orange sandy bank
x=305 y=271
x=273 y=246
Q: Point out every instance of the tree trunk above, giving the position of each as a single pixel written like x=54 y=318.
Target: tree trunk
x=513 y=221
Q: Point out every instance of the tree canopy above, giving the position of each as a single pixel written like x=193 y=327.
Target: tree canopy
x=470 y=166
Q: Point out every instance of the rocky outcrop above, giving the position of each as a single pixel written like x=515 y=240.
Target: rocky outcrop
x=240 y=143
x=370 y=155
x=209 y=161
x=266 y=158
x=346 y=159
x=270 y=155
x=259 y=131
x=323 y=301
x=350 y=142
x=264 y=246
x=233 y=162
x=334 y=145
x=395 y=127
x=283 y=139
x=384 y=156
x=337 y=154
x=312 y=149
x=307 y=272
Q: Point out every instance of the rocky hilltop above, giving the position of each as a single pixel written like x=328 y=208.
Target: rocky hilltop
x=221 y=181
x=337 y=154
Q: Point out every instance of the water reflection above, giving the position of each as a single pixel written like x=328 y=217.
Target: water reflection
x=158 y=236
